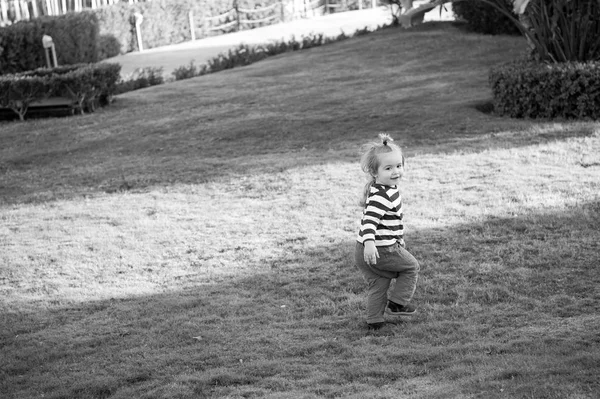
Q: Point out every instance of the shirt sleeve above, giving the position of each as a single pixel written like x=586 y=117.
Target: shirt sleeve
x=377 y=205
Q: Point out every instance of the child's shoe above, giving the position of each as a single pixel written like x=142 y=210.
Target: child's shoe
x=394 y=309
x=375 y=326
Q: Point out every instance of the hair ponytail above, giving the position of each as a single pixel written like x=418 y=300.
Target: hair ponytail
x=366 y=191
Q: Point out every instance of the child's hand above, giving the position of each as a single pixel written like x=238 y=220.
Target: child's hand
x=371 y=254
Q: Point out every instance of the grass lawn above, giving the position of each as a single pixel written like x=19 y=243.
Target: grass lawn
x=195 y=239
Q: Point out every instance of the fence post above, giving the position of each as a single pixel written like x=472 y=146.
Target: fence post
x=4 y=11
x=48 y=45
x=282 y=7
x=17 y=10
x=34 y=9
x=237 y=15
x=24 y=9
x=373 y=3
x=192 y=25
x=138 y=30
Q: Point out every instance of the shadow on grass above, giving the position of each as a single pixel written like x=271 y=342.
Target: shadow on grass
x=506 y=305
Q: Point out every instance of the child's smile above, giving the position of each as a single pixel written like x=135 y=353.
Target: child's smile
x=391 y=168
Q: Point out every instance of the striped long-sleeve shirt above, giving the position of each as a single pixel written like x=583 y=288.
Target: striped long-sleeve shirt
x=382 y=216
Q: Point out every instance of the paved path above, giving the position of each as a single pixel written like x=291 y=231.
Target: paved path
x=200 y=51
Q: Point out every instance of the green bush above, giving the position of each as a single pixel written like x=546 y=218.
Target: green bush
x=189 y=71
x=115 y=21
x=108 y=75
x=525 y=89
x=19 y=92
x=45 y=72
x=484 y=18
x=141 y=78
x=85 y=84
x=561 y=31
x=75 y=37
x=108 y=46
x=245 y=55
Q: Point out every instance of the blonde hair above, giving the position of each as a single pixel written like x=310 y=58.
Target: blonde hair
x=369 y=161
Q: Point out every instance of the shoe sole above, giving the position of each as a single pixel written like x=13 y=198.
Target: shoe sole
x=389 y=312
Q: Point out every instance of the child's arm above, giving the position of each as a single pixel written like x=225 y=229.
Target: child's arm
x=374 y=211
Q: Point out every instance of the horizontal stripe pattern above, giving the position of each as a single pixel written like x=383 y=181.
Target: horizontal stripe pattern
x=382 y=216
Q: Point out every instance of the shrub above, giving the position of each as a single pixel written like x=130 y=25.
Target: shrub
x=189 y=71
x=141 y=78
x=19 y=92
x=481 y=17
x=108 y=46
x=246 y=55
x=115 y=21
x=525 y=89
x=84 y=84
x=75 y=37
x=561 y=31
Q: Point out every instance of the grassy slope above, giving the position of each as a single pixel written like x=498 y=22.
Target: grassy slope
x=195 y=239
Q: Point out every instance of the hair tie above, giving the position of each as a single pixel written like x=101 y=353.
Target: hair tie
x=385 y=139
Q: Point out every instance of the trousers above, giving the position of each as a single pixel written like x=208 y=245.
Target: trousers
x=394 y=263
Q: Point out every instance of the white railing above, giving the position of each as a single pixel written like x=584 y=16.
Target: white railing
x=12 y=11
x=236 y=18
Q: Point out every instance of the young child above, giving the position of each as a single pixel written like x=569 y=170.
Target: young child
x=380 y=253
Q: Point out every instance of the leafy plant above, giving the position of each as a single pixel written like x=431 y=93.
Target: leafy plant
x=141 y=78
x=108 y=46
x=107 y=75
x=483 y=18
x=18 y=92
x=79 y=86
x=75 y=36
x=565 y=30
x=189 y=71
x=85 y=84
x=557 y=30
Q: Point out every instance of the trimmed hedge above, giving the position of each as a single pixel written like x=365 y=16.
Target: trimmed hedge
x=483 y=18
x=75 y=37
x=524 y=89
x=86 y=85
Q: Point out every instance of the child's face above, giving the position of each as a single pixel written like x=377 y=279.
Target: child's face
x=390 y=168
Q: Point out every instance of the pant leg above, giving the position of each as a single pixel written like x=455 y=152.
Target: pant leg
x=378 y=283
x=397 y=259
